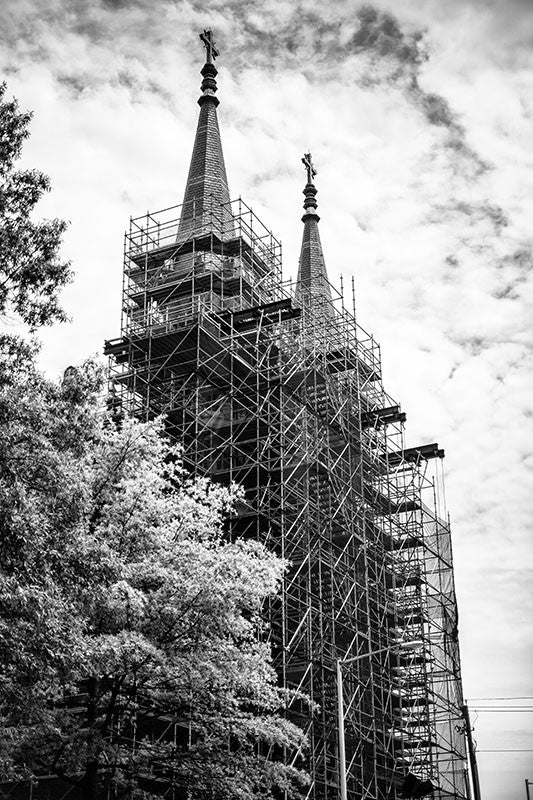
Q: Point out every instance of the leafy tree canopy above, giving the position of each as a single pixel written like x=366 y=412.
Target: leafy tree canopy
x=130 y=628
x=31 y=271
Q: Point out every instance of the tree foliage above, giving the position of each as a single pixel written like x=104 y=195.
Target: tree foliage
x=130 y=627
x=31 y=271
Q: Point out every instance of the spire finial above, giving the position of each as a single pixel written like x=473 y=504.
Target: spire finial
x=307 y=161
x=209 y=71
x=209 y=43
x=310 y=189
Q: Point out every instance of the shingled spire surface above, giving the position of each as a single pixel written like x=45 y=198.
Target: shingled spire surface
x=206 y=199
x=313 y=289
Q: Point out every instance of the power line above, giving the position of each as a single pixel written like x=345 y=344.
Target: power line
x=524 y=697
x=501 y=750
x=516 y=710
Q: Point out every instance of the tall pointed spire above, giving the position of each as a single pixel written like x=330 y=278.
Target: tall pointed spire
x=206 y=198
x=312 y=288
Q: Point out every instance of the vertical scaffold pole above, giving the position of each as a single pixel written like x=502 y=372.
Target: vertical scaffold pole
x=340 y=723
x=471 y=752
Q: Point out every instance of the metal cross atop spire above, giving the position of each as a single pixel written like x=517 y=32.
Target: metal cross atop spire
x=209 y=44
x=308 y=164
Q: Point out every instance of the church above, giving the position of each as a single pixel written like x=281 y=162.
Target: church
x=277 y=387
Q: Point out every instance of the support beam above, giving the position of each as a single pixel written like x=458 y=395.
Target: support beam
x=414 y=455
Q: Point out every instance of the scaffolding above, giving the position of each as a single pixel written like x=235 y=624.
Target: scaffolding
x=285 y=396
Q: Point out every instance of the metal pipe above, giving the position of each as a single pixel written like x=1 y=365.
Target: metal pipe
x=342 y=745
x=340 y=702
x=471 y=752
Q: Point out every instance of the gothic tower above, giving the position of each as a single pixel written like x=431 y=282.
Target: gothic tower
x=281 y=390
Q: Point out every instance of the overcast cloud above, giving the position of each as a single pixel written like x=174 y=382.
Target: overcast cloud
x=419 y=117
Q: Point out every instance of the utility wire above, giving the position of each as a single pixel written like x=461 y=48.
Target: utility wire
x=503 y=710
x=525 y=697
x=504 y=751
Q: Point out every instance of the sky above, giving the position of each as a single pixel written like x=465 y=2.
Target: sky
x=419 y=116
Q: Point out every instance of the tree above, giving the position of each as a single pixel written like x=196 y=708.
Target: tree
x=31 y=272
x=130 y=628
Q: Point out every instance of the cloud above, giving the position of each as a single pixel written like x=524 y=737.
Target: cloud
x=396 y=55
x=379 y=34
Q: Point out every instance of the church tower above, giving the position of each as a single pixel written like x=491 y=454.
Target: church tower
x=206 y=192
x=281 y=390
x=312 y=285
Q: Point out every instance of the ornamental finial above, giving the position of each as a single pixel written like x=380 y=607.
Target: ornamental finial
x=209 y=43
x=307 y=161
x=209 y=72
x=310 y=189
